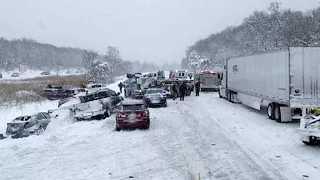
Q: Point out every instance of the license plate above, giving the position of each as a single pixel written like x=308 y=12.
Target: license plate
x=155 y=100
x=132 y=117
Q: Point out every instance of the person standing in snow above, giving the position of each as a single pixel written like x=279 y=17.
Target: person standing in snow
x=120 y=86
x=197 y=87
x=174 y=91
x=182 y=90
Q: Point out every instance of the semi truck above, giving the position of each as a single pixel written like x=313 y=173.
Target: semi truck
x=287 y=80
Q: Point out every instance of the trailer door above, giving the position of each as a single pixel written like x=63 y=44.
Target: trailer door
x=305 y=73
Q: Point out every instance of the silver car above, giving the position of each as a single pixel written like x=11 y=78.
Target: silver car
x=24 y=126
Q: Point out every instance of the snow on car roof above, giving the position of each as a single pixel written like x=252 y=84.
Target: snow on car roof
x=131 y=101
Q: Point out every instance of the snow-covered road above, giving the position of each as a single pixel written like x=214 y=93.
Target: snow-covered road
x=205 y=135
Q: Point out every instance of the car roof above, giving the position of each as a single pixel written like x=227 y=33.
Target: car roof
x=132 y=102
x=154 y=89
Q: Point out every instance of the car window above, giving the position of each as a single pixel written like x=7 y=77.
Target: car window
x=40 y=116
x=46 y=115
x=103 y=94
x=154 y=91
x=132 y=107
x=112 y=93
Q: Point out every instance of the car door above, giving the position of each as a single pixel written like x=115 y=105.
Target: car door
x=105 y=97
x=41 y=120
x=115 y=97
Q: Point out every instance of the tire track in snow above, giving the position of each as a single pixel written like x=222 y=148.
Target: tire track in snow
x=244 y=164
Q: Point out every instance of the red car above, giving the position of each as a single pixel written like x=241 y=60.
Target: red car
x=132 y=115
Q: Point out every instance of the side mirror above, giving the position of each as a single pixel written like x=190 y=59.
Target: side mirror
x=118 y=93
x=57 y=115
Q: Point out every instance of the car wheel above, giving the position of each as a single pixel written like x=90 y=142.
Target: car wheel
x=108 y=113
x=40 y=130
x=118 y=128
x=165 y=104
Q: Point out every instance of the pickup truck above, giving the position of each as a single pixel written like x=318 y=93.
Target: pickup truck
x=96 y=105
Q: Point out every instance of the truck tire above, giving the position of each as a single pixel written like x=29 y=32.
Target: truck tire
x=230 y=96
x=277 y=113
x=270 y=111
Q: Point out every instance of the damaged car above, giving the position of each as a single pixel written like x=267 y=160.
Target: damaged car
x=24 y=126
x=96 y=105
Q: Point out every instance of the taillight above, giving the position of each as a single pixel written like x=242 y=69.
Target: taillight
x=144 y=113
x=201 y=84
x=218 y=83
x=121 y=115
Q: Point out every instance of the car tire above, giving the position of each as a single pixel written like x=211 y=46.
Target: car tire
x=118 y=128
x=148 y=124
x=165 y=104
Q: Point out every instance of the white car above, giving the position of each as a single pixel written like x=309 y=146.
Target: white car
x=310 y=130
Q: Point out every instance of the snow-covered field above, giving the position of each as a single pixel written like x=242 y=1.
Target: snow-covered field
x=34 y=73
x=204 y=134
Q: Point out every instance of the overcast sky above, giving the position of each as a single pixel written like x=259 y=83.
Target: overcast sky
x=147 y=30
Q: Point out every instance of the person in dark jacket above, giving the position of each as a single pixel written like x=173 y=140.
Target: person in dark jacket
x=197 y=86
x=174 y=91
x=182 y=91
x=120 y=86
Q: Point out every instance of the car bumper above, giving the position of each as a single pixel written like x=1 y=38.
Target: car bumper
x=89 y=116
x=156 y=102
x=138 y=96
x=135 y=124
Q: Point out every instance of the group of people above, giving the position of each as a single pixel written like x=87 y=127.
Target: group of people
x=183 y=90
x=174 y=90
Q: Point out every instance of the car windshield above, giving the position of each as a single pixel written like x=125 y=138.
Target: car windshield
x=154 y=91
x=132 y=107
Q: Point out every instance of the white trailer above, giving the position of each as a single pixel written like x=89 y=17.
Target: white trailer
x=287 y=80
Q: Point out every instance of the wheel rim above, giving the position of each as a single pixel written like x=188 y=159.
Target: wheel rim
x=269 y=111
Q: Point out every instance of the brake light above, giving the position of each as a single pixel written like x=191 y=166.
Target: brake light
x=218 y=83
x=146 y=96
x=121 y=115
x=144 y=113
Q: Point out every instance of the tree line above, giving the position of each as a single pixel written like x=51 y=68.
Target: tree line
x=37 y=55
x=263 y=31
x=48 y=57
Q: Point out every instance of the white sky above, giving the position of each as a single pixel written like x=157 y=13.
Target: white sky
x=147 y=30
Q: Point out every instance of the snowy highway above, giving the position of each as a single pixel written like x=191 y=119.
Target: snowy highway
x=203 y=135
